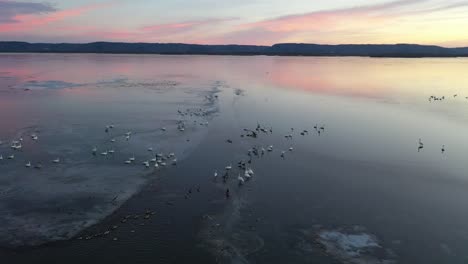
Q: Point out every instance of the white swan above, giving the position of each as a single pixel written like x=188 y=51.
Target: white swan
x=241 y=180
x=174 y=162
x=216 y=174
x=104 y=153
x=291 y=149
x=28 y=165
x=132 y=159
x=229 y=167
x=146 y=163
x=111 y=151
x=57 y=160
x=128 y=162
x=12 y=156
x=156 y=165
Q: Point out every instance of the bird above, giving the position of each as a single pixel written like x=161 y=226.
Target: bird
x=28 y=165
x=150 y=149
x=443 y=148
x=282 y=153
x=113 y=140
x=241 y=180
x=215 y=174
x=153 y=160
x=104 y=153
x=1 y=157
x=128 y=162
x=174 y=162
x=229 y=167
x=132 y=159
x=146 y=163
x=291 y=149
x=57 y=160
x=111 y=151
x=156 y=165
x=12 y=156
x=94 y=151
x=270 y=148
x=163 y=129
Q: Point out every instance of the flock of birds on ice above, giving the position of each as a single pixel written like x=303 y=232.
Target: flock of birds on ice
x=160 y=160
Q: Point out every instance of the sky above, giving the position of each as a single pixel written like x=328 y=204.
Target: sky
x=256 y=22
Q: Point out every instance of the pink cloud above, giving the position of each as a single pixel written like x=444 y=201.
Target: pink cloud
x=29 y=22
x=286 y=28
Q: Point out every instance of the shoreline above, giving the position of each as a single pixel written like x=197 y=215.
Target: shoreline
x=246 y=55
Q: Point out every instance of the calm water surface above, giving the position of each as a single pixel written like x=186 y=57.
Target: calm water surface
x=358 y=192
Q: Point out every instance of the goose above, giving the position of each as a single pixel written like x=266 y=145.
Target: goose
x=57 y=160
x=28 y=165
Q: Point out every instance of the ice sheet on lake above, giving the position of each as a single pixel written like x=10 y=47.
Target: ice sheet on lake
x=59 y=200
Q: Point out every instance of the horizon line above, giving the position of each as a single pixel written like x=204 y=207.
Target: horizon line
x=233 y=44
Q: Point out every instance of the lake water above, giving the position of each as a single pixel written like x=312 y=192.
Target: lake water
x=360 y=190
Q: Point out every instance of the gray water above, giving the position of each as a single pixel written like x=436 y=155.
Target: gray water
x=358 y=192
